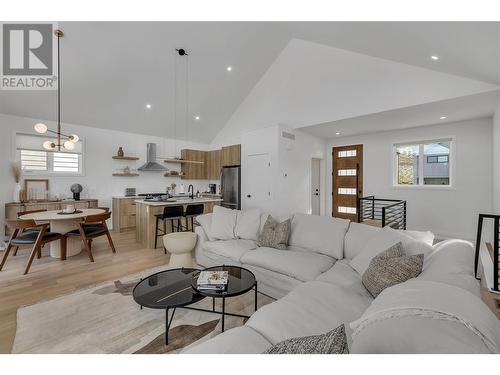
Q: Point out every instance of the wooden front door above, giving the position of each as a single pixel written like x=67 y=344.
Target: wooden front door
x=347 y=175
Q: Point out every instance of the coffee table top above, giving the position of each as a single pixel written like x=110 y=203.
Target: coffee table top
x=166 y=289
x=240 y=281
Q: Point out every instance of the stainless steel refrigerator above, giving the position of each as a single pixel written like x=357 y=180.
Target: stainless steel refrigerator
x=231 y=187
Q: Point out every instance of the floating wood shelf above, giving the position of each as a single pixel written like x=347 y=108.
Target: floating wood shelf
x=168 y=174
x=182 y=161
x=125 y=157
x=126 y=174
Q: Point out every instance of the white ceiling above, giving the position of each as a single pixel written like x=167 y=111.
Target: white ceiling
x=111 y=70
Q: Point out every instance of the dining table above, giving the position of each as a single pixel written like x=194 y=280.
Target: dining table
x=61 y=222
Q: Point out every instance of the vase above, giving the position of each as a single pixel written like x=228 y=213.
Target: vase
x=17 y=191
x=120 y=152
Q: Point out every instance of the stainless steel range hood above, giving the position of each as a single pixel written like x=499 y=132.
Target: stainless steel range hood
x=151 y=164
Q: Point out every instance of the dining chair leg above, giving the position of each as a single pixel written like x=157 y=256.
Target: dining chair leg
x=90 y=244
x=39 y=253
x=6 y=254
x=110 y=240
x=172 y=225
x=64 y=244
x=34 y=251
x=87 y=248
x=15 y=250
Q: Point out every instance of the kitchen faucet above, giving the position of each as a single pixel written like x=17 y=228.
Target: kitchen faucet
x=191 y=188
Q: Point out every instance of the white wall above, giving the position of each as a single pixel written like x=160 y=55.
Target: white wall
x=291 y=163
x=496 y=160
x=100 y=145
x=448 y=212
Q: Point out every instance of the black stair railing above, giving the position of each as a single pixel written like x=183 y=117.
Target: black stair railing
x=496 y=230
x=390 y=212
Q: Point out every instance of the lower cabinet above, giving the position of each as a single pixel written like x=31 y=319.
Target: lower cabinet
x=124 y=215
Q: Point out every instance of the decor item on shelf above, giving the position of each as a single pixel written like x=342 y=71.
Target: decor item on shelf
x=71 y=139
x=36 y=189
x=15 y=167
x=130 y=192
x=76 y=189
x=120 y=152
x=126 y=169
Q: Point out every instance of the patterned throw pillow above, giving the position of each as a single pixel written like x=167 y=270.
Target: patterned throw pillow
x=275 y=234
x=333 y=342
x=391 y=267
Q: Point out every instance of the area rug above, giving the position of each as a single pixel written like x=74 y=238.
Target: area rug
x=105 y=319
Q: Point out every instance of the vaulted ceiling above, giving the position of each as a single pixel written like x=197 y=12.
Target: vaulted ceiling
x=111 y=70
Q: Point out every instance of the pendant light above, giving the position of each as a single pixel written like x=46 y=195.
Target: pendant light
x=62 y=141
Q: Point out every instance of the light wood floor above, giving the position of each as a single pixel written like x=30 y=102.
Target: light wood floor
x=51 y=277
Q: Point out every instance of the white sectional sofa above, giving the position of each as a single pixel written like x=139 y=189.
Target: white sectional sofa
x=317 y=290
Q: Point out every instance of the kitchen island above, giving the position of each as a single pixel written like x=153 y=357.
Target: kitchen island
x=146 y=212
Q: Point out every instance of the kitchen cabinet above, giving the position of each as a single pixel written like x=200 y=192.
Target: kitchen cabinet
x=194 y=171
x=231 y=155
x=214 y=164
x=124 y=215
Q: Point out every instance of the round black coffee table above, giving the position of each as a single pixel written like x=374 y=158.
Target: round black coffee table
x=240 y=281
x=176 y=288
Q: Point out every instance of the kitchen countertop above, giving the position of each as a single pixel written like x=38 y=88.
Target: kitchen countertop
x=178 y=201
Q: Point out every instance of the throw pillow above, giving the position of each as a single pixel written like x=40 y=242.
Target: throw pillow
x=391 y=267
x=248 y=224
x=223 y=223
x=205 y=221
x=333 y=342
x=275 y=234
x=383 y=240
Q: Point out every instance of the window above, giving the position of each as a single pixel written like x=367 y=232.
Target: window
x=347 y=172
x=347 y=191
x=423 y=163
x=347 y=154
x=36 y=160
x=347 y=210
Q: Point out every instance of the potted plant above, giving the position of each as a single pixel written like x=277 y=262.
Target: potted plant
x=15 y=167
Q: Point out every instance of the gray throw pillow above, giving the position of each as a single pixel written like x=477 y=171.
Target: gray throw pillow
x=333 y=342
x=275 y=234
x=391 y=267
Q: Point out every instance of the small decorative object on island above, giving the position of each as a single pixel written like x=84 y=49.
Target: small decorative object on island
x=120 y=152
x=76 y=189
x=173 y=186
x=16 y=172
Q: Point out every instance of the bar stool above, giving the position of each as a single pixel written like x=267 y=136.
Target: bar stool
x=193 y=210
x=170 y=213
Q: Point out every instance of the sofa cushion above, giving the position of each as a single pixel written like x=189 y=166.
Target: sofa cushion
x=357 y=236
x=231 y=249
x=320 y=234
x=312 y=308
x=205 y=221
x=423 y=236
x=223 y=223
x=275 y=234
x=301 y=265
x=343 y=275
x=248 y=224
x=333 y=342
x=383 y=240
x=239 y=340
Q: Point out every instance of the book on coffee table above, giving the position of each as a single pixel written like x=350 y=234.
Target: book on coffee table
x=212 y=280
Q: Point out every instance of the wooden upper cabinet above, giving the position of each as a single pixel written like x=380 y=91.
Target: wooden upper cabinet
x=194 y=171
x=214 y=164
x=231 y=155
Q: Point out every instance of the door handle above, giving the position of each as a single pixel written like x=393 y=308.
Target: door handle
x=249 y=196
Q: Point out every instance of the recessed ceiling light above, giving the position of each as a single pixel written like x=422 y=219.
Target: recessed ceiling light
x=434 y=57
x=148 y=106
x=442 y=118
x=337 y=133
x=197 y=118
x=229 y=68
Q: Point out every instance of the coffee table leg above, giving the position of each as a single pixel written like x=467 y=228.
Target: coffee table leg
x=167 y=323
x=223 y=311
x=255 y=295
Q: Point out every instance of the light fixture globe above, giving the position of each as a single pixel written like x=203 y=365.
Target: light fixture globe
x=68 y=145
x=73 y=138
x=40 y=128
x=49 y=145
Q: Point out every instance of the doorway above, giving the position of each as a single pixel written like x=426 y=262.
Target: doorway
x=316 y=186
x=347 y=181
x=258 y=182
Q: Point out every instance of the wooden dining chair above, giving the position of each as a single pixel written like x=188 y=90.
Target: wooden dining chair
x=21 y=237
x=19 y=216
x=89 y=233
